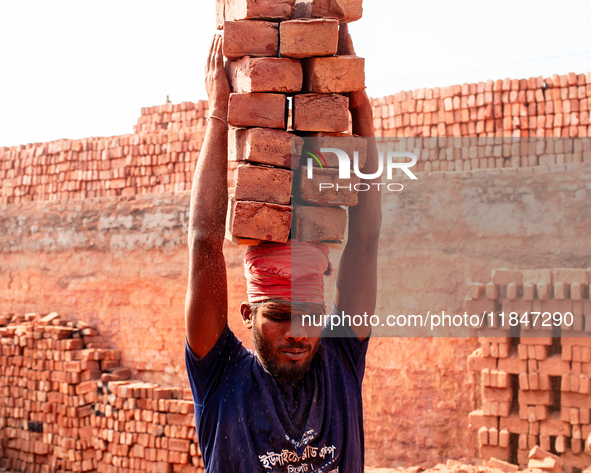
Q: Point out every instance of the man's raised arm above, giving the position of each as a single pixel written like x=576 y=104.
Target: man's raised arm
x=358 y=272
x=206 y=306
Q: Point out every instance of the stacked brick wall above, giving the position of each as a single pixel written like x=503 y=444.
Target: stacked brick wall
x=534 y=379
x=557 y=106
x=160 y=156
x=66 y=405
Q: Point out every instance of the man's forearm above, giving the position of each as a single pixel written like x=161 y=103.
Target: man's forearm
x=365 y=218
x=357 y=277
x=209 y=194
x=362 y=120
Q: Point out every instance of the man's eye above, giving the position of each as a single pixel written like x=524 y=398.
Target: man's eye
x=279 y=316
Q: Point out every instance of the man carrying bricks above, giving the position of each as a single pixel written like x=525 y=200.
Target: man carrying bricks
x=295 y=405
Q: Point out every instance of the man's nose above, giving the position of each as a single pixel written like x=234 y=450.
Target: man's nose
x=296 y=331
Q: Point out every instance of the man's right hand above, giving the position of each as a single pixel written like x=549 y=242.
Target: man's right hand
x=216 y=81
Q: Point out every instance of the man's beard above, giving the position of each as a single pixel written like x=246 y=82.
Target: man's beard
x=286 y=372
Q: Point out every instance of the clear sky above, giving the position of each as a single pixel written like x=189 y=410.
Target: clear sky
x=74 y=69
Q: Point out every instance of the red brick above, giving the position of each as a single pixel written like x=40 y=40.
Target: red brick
x=320 y=112
x=554 y=366
x=265 y=74
x=520 y=306
x=263 y=184
x=178 y=445
x=489 y=451
x=531 y=398
x=492 y=291
x=119 y=374
x=319 y=223
x=259 y=9
x=250 y=38
x=569 y=275
x=58 y=376
x=576 y=291
x=483 y=436
x=543 y=291
x=560 y=290
x=49 y=318
x=514 y=424
x=502 y=277
x=334 y=75
x=476 y=420
x=493 y=436
x=310 y=190
x=512 y=365
x=477 y=362
x=73 y=366
x=535 y=276
x=249 y=222
x=257 y=110
x=538 y=453
x=41 y=448
x=536 y=337
x=60 y=333
x=219 y=14
x=86 y=387
x=569 y=342
x=496 y=394
x=265 y=146
x=309 y=38
x=344 y=141
x=569 y=399
x=344 y=10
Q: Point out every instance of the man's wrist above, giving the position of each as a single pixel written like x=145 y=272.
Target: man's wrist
x=221 y=112
x=218 y=115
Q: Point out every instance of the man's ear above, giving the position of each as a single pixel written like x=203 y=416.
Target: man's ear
x=247 y=315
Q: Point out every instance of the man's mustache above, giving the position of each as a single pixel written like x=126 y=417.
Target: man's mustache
x=296 y=346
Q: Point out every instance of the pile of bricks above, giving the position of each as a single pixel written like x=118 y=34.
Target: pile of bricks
x=144 y=427
x=159 y=158
x=186 y=116
x=557 y=106
x=287 y=83
x=481 y=154
x=533 y=368
x=162 y=153
x=67 y=405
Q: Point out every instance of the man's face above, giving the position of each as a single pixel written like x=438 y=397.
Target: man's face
x=283 y=345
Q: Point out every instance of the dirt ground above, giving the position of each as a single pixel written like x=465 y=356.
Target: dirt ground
x=451 y=466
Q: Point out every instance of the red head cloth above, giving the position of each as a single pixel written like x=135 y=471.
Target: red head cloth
x=292 y=271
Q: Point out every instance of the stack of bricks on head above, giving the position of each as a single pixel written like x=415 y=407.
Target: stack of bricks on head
x=288 y=101
x=67 y=405
x=534 y=381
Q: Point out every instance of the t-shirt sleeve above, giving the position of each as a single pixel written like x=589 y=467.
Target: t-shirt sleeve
x=205 y=373
x=350 y=348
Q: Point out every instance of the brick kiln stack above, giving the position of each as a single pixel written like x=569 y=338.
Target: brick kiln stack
x=534 y=383
x=66 y=405
x=287 y=84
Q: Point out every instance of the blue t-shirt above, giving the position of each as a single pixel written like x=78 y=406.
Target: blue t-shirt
x=247 y=422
